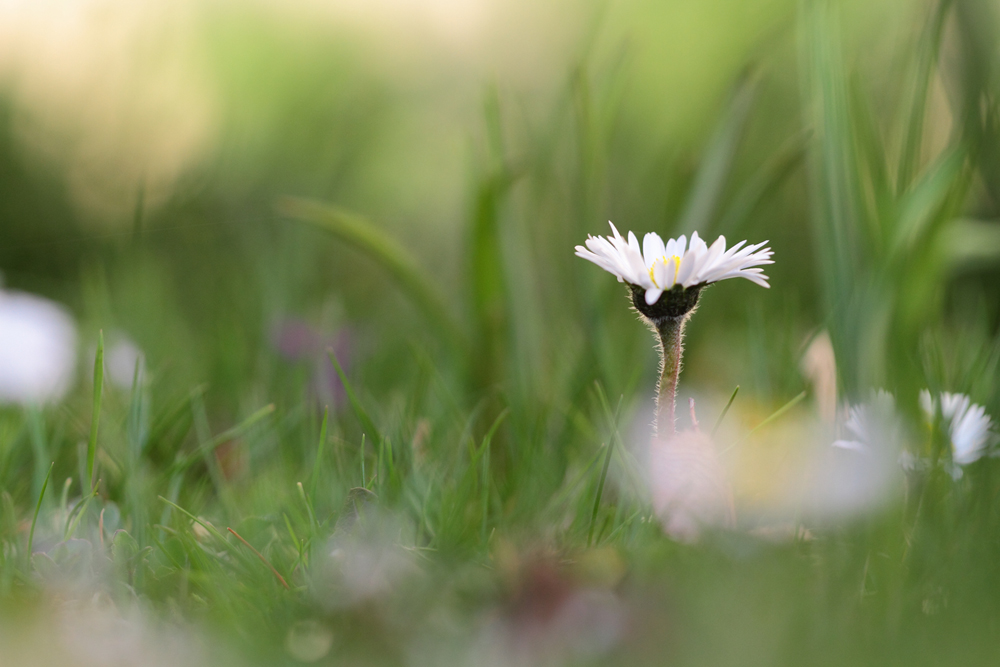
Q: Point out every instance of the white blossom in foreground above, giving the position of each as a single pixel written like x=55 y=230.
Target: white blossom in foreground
x=689 y=485
x=969 y=427
x=658 y=267
x=37 y=349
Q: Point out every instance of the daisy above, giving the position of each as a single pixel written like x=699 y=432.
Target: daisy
x=871 y=424
x=677 y=266
x=969 y=427
x=665 y=280
x=37 y=349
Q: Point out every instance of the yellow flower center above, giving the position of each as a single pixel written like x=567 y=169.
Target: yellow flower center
x=666 y=262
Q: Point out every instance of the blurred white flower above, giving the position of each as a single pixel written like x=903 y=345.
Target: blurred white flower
x=659 y=266
x=789 y=472
x=871 y=423
x=120 y=360
x=364 y=560
x=37 y=349
x=969 y=427
x=689 y=485
x=551 y=620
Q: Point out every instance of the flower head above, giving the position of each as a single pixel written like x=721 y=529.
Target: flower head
x=969 y=427
x=873 y=423
x=37 y=349
x=677 y=266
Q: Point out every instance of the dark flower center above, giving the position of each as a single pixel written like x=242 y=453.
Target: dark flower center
x=675 y=302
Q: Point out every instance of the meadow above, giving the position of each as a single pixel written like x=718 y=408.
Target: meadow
x=326 y=383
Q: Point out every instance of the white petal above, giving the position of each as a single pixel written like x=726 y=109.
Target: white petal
x=664 y=272
x=716 y=252
x=697 y=243
x=652 y=295
x=652 y=248
x=614 y=229
x=927 y=403
x=633 y=243
x=688 y=265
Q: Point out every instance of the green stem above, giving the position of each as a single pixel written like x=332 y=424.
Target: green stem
x=671 y=333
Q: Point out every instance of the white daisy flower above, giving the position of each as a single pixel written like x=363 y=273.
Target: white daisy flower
x=969 y=427
x=659 y=267
x=872 y=424
x=37 y=349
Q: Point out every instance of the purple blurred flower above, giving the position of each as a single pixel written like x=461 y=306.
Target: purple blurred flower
x=297 y=341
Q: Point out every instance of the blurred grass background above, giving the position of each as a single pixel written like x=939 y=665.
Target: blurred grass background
x=237 y=187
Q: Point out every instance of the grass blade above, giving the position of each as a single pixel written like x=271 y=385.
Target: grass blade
x=718 y=422
x=929 y=50
x=613 y=419
x=230 y=434
x=764 y=182
x=38 y=506
x=320 y=447
x=261 y=557
x=774 y=415
x=365 y=236
x=485 y=462
x=718 y=160
x=359 y=410
x=96 y=415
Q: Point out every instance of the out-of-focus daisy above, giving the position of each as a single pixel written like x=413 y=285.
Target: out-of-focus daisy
x=689 y=485
x=871 y=423
x=552 y=618
x=121 y=358
x=659 y=267
x=969 y=427
x=37 y=349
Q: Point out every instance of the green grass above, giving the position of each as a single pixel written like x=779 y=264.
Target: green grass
x=477 y=464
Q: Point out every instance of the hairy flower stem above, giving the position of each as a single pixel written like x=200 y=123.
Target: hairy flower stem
x=671 y=333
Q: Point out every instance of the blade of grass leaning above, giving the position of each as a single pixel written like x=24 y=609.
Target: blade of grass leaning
x=764 y=182
x=313 y=524
x=918 y=207
x=718 y=422
x=929 y=49
x=96 y=415
x=773 y=416
x=607 y=461
x=207 y=526
x=320 y=447
x=485 y=469
x=261 y=557
x=208 y=447
x=365 y=236
x=178 y=413
x=359 y=410
x=38 y=506
x=486 y=272
x=73 y=519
